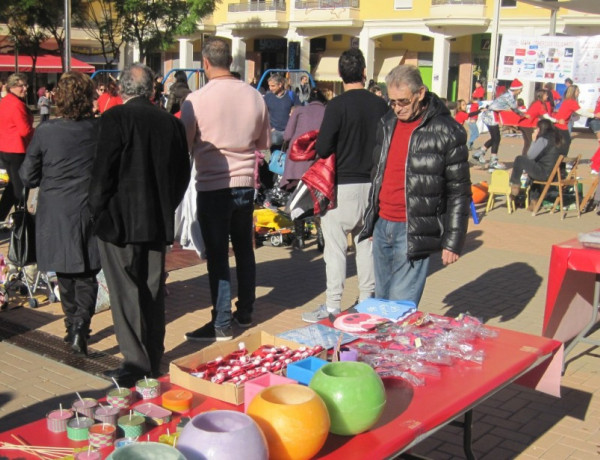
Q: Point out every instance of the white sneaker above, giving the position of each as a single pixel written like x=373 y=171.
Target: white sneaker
x=495 y=164
x=479 y=155
x=593 y=172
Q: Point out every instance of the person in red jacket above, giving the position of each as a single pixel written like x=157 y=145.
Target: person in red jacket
x=110 y=97
x=17 y=128
x=539 y=108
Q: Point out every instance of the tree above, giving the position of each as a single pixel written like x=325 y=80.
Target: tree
x=102 y=23
x=155 y=24
x=50 y=17
x=20 y=17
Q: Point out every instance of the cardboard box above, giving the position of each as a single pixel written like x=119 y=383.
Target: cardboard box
x=228 y=392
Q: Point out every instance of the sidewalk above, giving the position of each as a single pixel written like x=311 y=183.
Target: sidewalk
x=501 y=278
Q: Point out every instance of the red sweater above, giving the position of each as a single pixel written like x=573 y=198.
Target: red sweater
x=16 y=125
x=392 y=197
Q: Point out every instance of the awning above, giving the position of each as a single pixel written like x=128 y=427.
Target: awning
x=45 y=63
x=386 y=60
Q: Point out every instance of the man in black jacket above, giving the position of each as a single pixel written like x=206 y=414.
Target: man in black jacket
x=140 y=175
x=421 y=192
x=348 y=131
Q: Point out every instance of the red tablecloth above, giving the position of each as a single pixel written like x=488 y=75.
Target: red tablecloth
x=569 y=297
x=410 y=414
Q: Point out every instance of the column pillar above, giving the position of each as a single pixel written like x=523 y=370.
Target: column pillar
x=441 y=63
x=186 y=53
x=367 y=46
x=238 y=51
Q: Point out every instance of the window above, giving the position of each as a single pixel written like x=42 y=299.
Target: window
x=403 y=4
x=509 y=3
x=397 y=37
x=337 y=37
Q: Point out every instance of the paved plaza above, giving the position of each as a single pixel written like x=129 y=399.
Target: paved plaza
x=500 y=278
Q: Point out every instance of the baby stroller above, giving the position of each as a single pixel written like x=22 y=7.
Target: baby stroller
x=23 y=275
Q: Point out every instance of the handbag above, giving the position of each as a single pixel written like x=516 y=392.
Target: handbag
x=277 y=162
x=21 y=249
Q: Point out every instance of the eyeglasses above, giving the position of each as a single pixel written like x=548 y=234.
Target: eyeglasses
x=401 y=102
x=22 y=85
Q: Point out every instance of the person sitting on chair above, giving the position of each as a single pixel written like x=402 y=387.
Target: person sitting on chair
x=541 y=157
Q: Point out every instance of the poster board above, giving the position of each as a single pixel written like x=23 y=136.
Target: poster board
x=550 y=59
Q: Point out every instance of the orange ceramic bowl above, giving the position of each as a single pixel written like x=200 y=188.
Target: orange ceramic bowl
x=294 y=420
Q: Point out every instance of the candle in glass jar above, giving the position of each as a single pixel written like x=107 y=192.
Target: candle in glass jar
x=102 y=435
x=148 y=388
x=88 y=455
x=107 y=414
x=78 y=428
x=56 y=420
x=85 y=406
x=119 y=397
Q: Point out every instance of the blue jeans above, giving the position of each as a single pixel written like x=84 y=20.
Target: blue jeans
x=396 y=277
x=473 y=133
x=223 y=213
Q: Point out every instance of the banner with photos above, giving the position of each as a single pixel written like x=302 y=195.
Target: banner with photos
x=550 y=59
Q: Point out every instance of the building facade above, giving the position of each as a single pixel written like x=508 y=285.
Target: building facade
x=449 y=40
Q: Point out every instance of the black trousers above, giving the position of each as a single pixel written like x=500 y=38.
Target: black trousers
x=134 y=277
x=494 y=140
x=13 y=191
x=78 y=293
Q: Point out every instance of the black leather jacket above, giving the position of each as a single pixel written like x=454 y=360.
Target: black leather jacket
x=438 y=183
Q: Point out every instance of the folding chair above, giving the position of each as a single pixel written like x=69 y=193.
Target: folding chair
x=555 y=179
x=589 y=195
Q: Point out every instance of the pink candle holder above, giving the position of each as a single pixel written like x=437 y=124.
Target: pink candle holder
x=107 y=414
x=56 y=420
x=90 y=454
x=85 y=406
x=102 y=435
x=119 y=397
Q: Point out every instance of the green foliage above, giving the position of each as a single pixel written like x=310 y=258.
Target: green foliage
x=155 y=24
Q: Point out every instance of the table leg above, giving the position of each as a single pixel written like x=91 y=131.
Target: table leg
x=581 y=337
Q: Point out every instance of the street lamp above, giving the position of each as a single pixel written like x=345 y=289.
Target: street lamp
x=67 y=35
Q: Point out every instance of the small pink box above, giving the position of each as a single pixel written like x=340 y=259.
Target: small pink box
x=256 y=385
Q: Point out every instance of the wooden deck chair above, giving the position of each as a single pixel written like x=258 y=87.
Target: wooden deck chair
x=561 y=184
x=500 y=185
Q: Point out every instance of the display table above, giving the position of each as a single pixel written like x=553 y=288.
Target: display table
x=573 y=292
x=411 y=414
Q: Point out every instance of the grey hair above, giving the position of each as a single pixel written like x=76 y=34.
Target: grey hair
x=216 y=51
x=137 y=80
x=407 y=75
x=277 y=78
x=15 y=79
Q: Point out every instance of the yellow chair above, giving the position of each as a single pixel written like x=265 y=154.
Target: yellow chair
x=500 y=185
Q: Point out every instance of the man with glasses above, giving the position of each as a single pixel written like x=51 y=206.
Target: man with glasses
x=421 y=191
x=348 y=131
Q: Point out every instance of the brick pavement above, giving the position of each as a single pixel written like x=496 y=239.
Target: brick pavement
x=501 y=278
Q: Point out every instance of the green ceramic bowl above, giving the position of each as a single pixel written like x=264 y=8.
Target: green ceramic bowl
x=353 y=393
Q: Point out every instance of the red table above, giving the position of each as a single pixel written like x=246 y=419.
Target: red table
x=411 y=414
x=573 y=293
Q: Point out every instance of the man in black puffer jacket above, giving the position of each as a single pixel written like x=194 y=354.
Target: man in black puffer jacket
x=421 y=192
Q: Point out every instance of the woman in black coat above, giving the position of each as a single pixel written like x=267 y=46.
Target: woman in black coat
x=59 y=161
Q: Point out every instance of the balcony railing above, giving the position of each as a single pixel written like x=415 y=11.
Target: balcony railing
x=326 y=4
x=277 y=5
x=457 y=2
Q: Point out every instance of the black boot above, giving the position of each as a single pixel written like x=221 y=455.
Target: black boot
x=298 y=242
x=80 y=336
x=68 y=338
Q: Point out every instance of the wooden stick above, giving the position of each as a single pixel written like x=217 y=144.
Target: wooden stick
x=21 y=441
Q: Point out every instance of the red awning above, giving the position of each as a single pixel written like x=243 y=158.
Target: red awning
x=45 y=63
